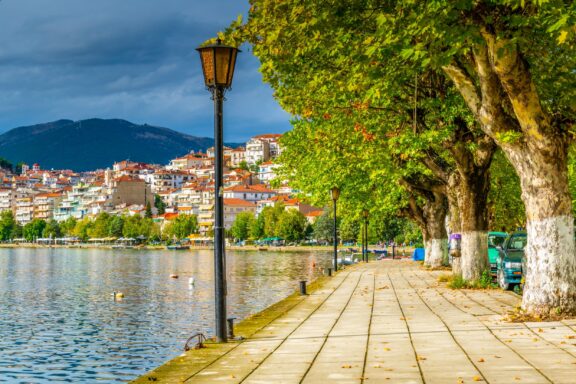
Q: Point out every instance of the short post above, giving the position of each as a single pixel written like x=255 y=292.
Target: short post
x=365 y=214
x=303 y=288
x=329 y=272
x=393 y=250
x=231 y=328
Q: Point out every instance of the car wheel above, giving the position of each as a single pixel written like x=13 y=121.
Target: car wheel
x=502 y=280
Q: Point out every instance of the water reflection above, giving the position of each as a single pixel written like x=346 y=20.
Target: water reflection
x=60 y=322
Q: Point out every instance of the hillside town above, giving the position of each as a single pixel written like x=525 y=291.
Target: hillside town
x=185 y=186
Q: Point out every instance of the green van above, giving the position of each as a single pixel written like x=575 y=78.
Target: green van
x=495 y=239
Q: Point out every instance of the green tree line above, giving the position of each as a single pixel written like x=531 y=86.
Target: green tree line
x=102 y=226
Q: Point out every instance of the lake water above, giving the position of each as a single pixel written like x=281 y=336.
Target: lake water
x=60 y=323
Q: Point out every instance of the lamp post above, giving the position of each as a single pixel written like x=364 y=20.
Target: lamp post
x=365 y=214
x=335 y=193
x=218 y=63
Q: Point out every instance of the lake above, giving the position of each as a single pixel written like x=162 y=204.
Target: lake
x=59 y=321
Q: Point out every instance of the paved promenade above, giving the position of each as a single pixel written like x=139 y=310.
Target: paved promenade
x=389 y=322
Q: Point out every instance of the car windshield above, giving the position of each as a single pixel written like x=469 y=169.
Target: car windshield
x=517 y=242
x=495 y=240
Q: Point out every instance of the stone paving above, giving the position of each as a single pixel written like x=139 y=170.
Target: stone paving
x=391 y=321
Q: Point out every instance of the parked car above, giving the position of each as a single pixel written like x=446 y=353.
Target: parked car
x=509 y=263
x=495 y=240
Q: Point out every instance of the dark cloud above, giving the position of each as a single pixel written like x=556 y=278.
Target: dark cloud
x=128 y=59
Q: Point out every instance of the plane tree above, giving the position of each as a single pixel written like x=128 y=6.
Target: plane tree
x=316 y=58
x=510 y=61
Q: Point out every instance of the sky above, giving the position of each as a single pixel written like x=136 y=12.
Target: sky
x=127 y=59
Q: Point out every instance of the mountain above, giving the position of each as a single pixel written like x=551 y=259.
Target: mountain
x=96 y=143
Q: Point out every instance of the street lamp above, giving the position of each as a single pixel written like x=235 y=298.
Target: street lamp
x=365 y=214
x=218 y=63
x=335 y=193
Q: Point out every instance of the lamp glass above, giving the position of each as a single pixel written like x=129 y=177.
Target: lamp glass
x=365 y=213
x=207 y=57
x=335 y=192
x=218 y=63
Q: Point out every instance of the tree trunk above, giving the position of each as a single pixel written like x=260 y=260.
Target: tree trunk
x=473 y=196
x=508 y=105
x=550 y=279
x=431 y=218
x=454 y=216
x=435 y=211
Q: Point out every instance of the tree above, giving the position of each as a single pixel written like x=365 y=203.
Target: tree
x=7 y=225
x=115 y=226
x=136 y=226
x=182 y=226
x=491 y=52
x=18 y=168
x=18 y=232
x=244 y=165
x=52 y=230
x=148 y=213
x=82 y=228
x=159 y=204
x=349 y=229
x=242 y=225
x=33 y=230
x=100 y=226
x=292 y=225
x=324 y=226
x=257 y=227
x=271 y=216
x=68 y=225
x=5 y=164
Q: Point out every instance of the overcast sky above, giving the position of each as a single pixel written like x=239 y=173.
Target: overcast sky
x=129 y=59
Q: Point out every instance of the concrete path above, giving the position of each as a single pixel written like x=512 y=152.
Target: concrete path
x=391 y=321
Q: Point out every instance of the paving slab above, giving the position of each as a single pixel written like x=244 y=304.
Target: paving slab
x=389 y=321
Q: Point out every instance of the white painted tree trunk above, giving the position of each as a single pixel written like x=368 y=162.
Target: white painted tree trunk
x=457 y=266
x=438 y=249
x=474 y=258
x=427 y=251
x=550 y=281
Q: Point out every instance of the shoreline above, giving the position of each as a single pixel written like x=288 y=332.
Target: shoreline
x=400 y=251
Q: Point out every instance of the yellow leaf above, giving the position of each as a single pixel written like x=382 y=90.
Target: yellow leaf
x=562 y=37
x=477 y=378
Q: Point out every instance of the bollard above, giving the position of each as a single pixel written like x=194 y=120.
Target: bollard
x=303 y=288
x=329 y=272
x=231 y=328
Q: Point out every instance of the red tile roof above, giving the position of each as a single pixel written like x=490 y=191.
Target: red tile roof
x=238 y=203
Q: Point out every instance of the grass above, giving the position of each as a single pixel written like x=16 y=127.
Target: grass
x=458 y=282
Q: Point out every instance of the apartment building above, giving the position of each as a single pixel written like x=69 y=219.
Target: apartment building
x=7 y=200
x=233 y=207
x=45 y=204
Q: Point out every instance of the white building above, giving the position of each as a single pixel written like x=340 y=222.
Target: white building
x=7 y=202
x=251 y=193
x=257 y=150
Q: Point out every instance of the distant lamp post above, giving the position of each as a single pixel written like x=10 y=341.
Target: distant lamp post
x=365 y=214
x=335 y=193
x=218 y=63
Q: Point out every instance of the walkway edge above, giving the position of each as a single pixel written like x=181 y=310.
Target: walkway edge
x=189 y=363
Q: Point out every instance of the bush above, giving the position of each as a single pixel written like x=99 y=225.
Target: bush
x=458 y=282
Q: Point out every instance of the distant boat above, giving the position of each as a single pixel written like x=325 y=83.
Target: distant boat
x=178 y=247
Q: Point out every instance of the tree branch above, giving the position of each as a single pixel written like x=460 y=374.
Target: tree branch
x=465 y=85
